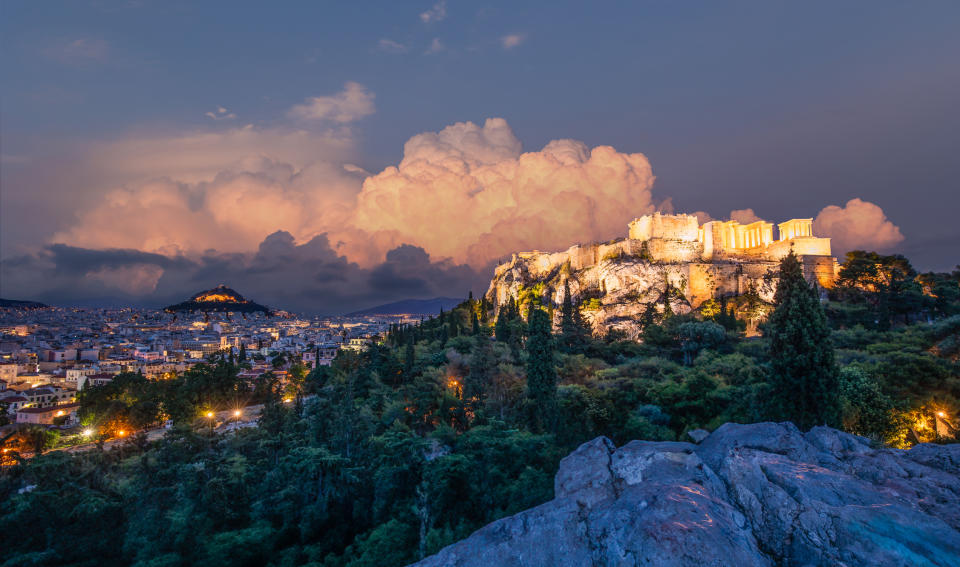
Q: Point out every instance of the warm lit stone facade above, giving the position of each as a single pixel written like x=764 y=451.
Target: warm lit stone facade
x=703 y=261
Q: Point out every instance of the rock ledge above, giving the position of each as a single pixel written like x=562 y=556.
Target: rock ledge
x=759 y=494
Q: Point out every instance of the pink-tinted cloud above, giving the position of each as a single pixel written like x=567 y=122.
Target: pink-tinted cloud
x=437 y=13
x=857 y=225
x=351 y=104
x=469 y=193
x=702 y=216
x=744 y=216
x=512 y=40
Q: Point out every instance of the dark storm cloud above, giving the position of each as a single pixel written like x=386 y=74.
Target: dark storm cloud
x=309 y=277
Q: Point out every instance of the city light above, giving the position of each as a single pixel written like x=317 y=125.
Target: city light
x=121 y=433
x=236 y=413
x=88 y=432
x=209 y=414
x=941 y=414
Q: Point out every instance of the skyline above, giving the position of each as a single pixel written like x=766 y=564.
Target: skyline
x=152 y=150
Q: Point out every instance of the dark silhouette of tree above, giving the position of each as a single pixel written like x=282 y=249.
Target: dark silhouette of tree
x=574 y=333
x=803 y=375
x=541 y=373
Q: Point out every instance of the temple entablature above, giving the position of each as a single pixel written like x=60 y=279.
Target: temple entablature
x=718 y=239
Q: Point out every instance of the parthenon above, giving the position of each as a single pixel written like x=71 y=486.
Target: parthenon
x=726 y=239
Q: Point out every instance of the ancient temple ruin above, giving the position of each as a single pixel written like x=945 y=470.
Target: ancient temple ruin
x=703 y=260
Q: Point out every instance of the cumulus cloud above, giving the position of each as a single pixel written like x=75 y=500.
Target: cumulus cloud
x=469 y=193
x=744 y=216
x=390 y=46
x=512 y=40
x=466 y=195
x=220 y=114
x=702 y=216
x=437 y=13
x=351 y=104
x=232 y=212
x=436 y=46
x=857 y=225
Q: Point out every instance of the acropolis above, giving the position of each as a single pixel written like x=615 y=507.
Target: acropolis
x=703 y=261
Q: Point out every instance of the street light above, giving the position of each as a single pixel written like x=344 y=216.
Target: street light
x=209 y=414
x=941 y=414
x=88 y=432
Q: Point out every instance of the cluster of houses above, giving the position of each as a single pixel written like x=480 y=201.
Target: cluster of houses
x=48 y=355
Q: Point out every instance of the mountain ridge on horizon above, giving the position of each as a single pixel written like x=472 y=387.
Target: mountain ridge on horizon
x=430 y=306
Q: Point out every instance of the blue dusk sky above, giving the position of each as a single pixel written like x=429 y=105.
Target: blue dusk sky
x=150 y=148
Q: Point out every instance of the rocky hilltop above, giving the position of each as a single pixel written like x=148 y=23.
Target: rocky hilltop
x=220 y=299
x=667 y=261
x=763 y=494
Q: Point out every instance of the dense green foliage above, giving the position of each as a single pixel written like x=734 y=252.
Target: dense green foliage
x=390 y=454
x=803 y=375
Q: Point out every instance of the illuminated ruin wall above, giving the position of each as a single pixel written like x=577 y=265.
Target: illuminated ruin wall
x=706 y=261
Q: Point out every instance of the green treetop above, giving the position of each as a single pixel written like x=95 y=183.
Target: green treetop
x=803 y=376
x=541 y=373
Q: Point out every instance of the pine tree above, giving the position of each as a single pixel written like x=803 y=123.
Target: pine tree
x=574 y=334
x=541 y=373
x=243 y=353
x=803 y=375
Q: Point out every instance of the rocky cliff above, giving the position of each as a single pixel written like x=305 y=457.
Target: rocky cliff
x=619 y=284
x=761 y=494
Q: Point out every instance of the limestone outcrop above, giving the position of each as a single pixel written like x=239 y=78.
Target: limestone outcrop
x=666 y=260
x=763 y=494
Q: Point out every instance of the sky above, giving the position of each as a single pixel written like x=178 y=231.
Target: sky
x=323 y=157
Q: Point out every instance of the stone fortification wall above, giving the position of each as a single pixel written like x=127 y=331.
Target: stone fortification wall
x=669 y=227
x=622 y=279
x=802 y=246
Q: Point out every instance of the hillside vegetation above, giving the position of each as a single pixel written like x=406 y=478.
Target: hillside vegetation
x=389 y=455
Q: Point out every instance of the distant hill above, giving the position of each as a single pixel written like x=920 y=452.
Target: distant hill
x=411 y=307
x=219 y=299
x=17 y=304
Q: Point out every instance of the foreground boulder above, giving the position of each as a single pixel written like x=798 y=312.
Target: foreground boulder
x=760 y=494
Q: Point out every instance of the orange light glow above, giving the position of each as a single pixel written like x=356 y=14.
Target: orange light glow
x=941 y=414
x=122 y=433
x=236 y=413
x=209 y=414
x=218 y=297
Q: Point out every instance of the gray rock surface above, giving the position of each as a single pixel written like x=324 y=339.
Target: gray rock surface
x=759 y=494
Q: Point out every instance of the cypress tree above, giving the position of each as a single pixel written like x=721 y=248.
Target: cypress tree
x=803 y=375
x=501 y=329
x=573 y=331
x=409 y=356
x=541 y=373
x=475 y=328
